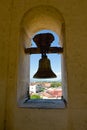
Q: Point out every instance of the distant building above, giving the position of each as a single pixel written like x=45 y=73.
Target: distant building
x=35 y=88
x=47 y=84
x=55 y=92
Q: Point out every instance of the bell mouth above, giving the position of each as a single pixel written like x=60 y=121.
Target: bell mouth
x=44 y=70
x=44 y=76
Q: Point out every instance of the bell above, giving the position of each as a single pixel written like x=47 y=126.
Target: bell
x=44 y=69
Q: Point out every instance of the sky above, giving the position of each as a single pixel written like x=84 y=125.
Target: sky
x=55 y=60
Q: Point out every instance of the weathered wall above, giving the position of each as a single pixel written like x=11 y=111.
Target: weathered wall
x=4 y=45
x=75 y=116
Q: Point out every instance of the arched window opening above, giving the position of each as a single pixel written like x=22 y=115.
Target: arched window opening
x=46 y=88
x=31 y=25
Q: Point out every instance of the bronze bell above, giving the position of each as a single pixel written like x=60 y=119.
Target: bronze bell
x=44 y=69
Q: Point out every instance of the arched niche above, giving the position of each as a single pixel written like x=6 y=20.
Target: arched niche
x=34 y=20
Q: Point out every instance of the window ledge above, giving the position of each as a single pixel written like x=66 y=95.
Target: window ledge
x=42 y=103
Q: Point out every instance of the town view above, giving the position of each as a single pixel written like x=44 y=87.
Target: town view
x=45 y=90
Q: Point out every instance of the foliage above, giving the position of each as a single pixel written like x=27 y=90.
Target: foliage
x=35 y=96
x=42 y=89
x=55 y=84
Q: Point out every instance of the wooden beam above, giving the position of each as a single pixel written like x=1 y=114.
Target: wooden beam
x=35 y=50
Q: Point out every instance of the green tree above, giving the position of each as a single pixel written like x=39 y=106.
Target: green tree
x=34 y=96
x=55 y=84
